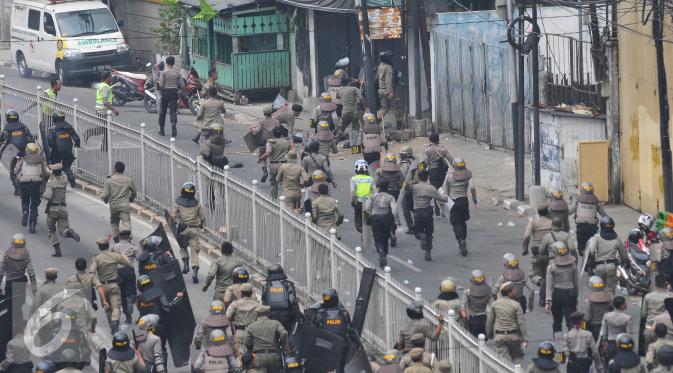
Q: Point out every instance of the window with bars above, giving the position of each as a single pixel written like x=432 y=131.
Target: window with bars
x=223 y=48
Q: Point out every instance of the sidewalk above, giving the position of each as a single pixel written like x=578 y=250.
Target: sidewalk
x=5 y=57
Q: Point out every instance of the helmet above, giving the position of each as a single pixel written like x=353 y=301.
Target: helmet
x=414 y=311
x=240 y=275
x=148 y=322
x=293 y=364
x=459 y=163
x=275 y=269
x=624 y=342
x=556 y=193
x=391 y=157
x=391 y=357
x=596 y=282
x=188 y=189
x=151 y=243
x=369 y=118
x=587 y=187
x=217 y=128
x=510 y=260
x=45 y=367
x=338 y=73
x=217 y=337
x=361 y=166
x=120 y=341
x=546 y=350
x=11 y=116
x=447 y=286
x=313 y=146
x=330 y=298
x=477 y=277
x=323 y=125
x=666 y=234
x=325 y=97
x=607 y=223
x=18 y=240
x=561 y=248
x=406 y=152
x=665 y=355
x=144 y=282
x=267 y=110
x=32 y=148
x=635 y=235
x=342 y=63
x=58 y=117
x=318 y=176
x=217 y=307
x=645 y=222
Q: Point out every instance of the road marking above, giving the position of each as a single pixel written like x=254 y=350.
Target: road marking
x=406 y=264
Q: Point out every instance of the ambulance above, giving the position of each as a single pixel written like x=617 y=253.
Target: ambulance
x=71 y=39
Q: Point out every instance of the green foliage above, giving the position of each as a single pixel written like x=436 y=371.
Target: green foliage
x=169 y=28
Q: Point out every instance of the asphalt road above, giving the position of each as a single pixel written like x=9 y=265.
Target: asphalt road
x=492 y=230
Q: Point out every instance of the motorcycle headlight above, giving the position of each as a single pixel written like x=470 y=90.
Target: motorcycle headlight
x=122 y=47
x=72 y=53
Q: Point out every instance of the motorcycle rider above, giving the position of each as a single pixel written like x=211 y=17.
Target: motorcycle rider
x=605 y=251
x=597 y=304
x=558 y=208
x=279 y=294
x=476 y=300
x=17 y=134
x=646 y=223
x=62 y=137
x=586 y=208
x=31 y=172
x=514 y=275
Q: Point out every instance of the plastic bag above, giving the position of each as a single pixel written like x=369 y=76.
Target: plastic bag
x=279 y=102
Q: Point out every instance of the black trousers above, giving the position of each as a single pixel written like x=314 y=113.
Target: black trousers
x=285 y=317
x=584 y=232
x=127 y=279
x=66 y=160
x=371 y=158
x=12 y=175
x=169 y=101
x=579 y=364
x=381 y=232
x=460 y=214
x=424 y=226
x=357 y=215
x=437 y=176
x=477 y=325
x=30 y=199
x=564 y=303
x=407 y=209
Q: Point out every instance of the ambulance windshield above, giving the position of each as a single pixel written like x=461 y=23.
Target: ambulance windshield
x=86 y=22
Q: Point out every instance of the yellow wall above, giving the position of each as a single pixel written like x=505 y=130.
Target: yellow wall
x=642 y=178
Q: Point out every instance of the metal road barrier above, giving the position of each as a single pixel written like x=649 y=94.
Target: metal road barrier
x=261 y=228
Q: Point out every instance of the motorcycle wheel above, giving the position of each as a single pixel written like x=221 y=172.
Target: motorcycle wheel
x=118 y=100
x=193 y=104
x=150 y=104
x=631 y=289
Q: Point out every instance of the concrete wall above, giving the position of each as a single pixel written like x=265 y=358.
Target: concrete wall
x=140 y=17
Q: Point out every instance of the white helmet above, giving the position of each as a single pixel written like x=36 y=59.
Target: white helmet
x=361 y=166
x=646 y=222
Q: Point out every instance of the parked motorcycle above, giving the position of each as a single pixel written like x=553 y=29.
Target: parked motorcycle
x=190 y=95
x=635 y=277
x=127 y=86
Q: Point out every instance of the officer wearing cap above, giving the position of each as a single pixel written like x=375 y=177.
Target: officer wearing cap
x=505 y=322
x=626 y=360
x=212 y=149
x=581 y=347
x=61 y=139
x=597 y=304
x=605 y=252
x=661 y=253
x=118 y=192
x=263 y=131
x=31 y=171
x=275 y=154
x=190 y=217
x=241 y=277
x=127 y=275
x=45 y=292
x=291 y=176
x=614 y=324
x=429 y=359
x=652 y=306
x=242 y=313
x=544 y=362
x=417 y=365
x=456 y=185
x=266 y=338
x=17 y=134
x=586 y=208
x=218 y=357
x=17 y=355
x=651 y=358
x=562 y=288
x=558 y=208
x=209 y=114
x=104 y=268
x=280 y=294
x=475 y=301
x=448 y=298
x=372 y=139
x=122 y=357
x=324 y=120
x=516 y=277
x=416 y=325
x=57 y=212
x=391 y=362
x=221 y=270
x=216 y=320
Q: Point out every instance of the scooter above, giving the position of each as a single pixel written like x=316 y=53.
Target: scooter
x=127 y=86
x=189 y=96
x=636 y=277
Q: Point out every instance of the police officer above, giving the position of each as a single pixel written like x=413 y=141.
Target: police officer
x=291 y=176
x=127 y=275
x=62 y=137
x=280 y=295
x=314 y=161
x=74 y=351
x=660 y=254
x=456 y=186
x=266 y=338
x=221 y=270
x=152 y=256
x=586 y=209
x=17 y=355
x=614 y=324
x=83 y=317
x=536 y=230
x=119 y=191
x=558 y=208
x=417 y=324
x=170 y=83
x=448 y=298
x=47 y=290
x=625 y=359
x=653 y=306
x=51 y=94
x=218 y=357
x=475 y=301
x=659 y=331
x=385 y=76
x=17 y=269
x=581 y=347
x=149 y=344
x=334 y=83
x=324 y=120
x=558 y=234
x=31 y=171
x=242 y=313
x=422 y=194
x=317 y=179
x=353 y=104
x=216 y=320
x=153 y=301
x=597 y=304
x=390 y=170
x=212 y=149
x=104 y=268
x=391 y=361
x=408 y=168
x=330 y=315
x=605 y=252
x=381 y=211
x=104 y=95
x=240 y=276
x=544 y=362
x=362 y=186
x=190 y=218
x=275 y=152
x=665 y=358
x=17 y=134
x=417 y=365
x=326 y=213
x=286 y=117
x=438 y=159
x=83 y=280
x=665 y=318
x=428 y=359
x=122 y=357
x=515 y=276
x=264 y=132
x=562 y=287
x=372 y=139
x=505 y=322
x=57 y=213
x=209 y=114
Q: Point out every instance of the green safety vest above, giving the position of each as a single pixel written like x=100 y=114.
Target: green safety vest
x=50 y=94
x=100 y=100
x=363 y=186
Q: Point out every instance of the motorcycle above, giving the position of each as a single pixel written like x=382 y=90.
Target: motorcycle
x=636 y=277
x=127 y=86
x=189 y=97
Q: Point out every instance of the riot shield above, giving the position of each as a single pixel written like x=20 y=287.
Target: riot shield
x=324 y=351
x=356 y=360
x=43 y=141
x=5 y=325
x=173 y=226
x=7 y=155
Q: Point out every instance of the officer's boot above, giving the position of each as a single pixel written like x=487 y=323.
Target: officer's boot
x=174 y=129
x=32 y=222
x=24 y=218
x=410 y=229
x=72 y=234
x=393 y=239
x=115 y=239
x=195 y=274
x=114 y=326
x=424 y=242
x=265 y=174
x=463 y=246
x=185 y=266
x=428 y=249
x=161 y=130
x=197 y=137
x=57 y=251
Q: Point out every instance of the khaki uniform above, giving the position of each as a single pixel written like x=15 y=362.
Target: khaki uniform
x=326 y=213
x=277 y=149
x=57 y=217
x=86 y=316
x=607 y=254
x=505 y=321
x=614 y=323
x=221 y=271
x=104 y=269
x=216 y=359
x=386 y=79
x=265 y=338
x=129 y=366
x=17 y=353
x=119 y=191
x=193 y=218
x=233 y=294
x=652 y=348
x=417 y=368
x=84 y=281
x=556 y=235
x=597 y=304
x=149 y=346
x=351 y=114
x=653 y=306
x=44 y=293
x=558 y=208
x=535 y=232
x=580 y=345
x=429 y=360
x=242 y=313
x=665 y=319
x=213 y=322
x=443 y=306
x=286 y=116
x=291 y=176
x=317 y=161
x=210 y=112
x=414 y=327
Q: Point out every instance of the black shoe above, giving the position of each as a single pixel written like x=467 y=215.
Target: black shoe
x=57 y=251
x=174 y=131
x=73 y=184
x=24 y=219
x=72 y=234
x=424 y=245
x=428 y=258
x=31 y=228
x=383 y=261
x=17 y=192
x=463 y=247
x=114 y=326
x=195 y=275
x=196 y=139
x=410 y=230
x=265 y=175
x=185 y=266
x=128 y=320
x=161 y=132
x=393 y=241
x=437 y=213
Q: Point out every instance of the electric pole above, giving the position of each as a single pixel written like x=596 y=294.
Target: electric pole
x=370 y=92
x=536 y=102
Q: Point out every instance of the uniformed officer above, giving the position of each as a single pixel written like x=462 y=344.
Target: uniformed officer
x=80 y=312
x=326 y=212
x=385 y=76
x=240 y=276
x=391 y=362
x=558 y=208
x=390 y=170
x=17 y=355
x=82 y=279
x=362 y=187
x=665 y=358
x=242 y=313
x=354 y=105
x=286 y=117
x=152 y=256
x=291 y=176
x=665 y=318
x=516 y=277
x=17 y=269
x=266 y=338
x=61 y=139
x=219 y=357
x=653 y=306
x=119 y=191
x=74 y=351
x=104 y=268
x=127 y=275
x=660 y=254
x=264 y=132
x=505 y=322
x=275 y=154
x=597 y=304
x=422 y=194
x=47 y=290
x=448 y=298
x=317 y=178
x=57 y=213
x=209 y=114
x=544 y=362
x=314 y=161
x=586 y=209
x=212 y=149
x=190 y=218
x=280 y=294
x=625 y=359
x=659 y=332
x=456 y=186
x=562 y=288
x=17 y=134
x=417 y=324
x=216 y=320
x=104 y=96
x=51 y=94
x=381 y=211
x=31 y=172
x=605 y=252
x=408 y=168
x=417 y=366
x=330 y=315
x=558 y=234
x=614 y=323
x=149 y=344
x=475 y=301
x=428 y=359
x=372 y=139
x=438 y=159
x=536 y=230
x=581 y=347
x=122 y=358
x=324 y=120
x=170 y=84
x=221 y=270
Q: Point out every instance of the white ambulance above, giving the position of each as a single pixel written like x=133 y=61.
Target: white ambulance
x=72 y=39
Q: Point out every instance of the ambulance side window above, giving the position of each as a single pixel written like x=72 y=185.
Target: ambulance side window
x=34 y=19
x=49 y=24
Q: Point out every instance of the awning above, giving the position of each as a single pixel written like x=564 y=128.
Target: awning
x=323 y=5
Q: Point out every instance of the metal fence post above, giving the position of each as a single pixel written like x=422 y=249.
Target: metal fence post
x=227 y=205
x=307 y=237
x=482 y=345
x=386 y=309
x=254 y=218
x=2 y=98
x=452 y=344
x=281 y=207
x=418 y=296
x=142 y=159
x=38 y=99
x=172 y=171
x=108 y=125
x=358 y=266
x=332 y=258
x=518 y=368
x=199 y=179
x=75 y=126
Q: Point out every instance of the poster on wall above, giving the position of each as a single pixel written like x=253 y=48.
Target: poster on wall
x=384 y=23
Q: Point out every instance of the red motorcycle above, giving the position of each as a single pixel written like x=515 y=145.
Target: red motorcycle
x=189 y=97
x=127 y=86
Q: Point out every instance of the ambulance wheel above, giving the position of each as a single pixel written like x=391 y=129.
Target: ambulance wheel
x=23 y=66
x=60 y=74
